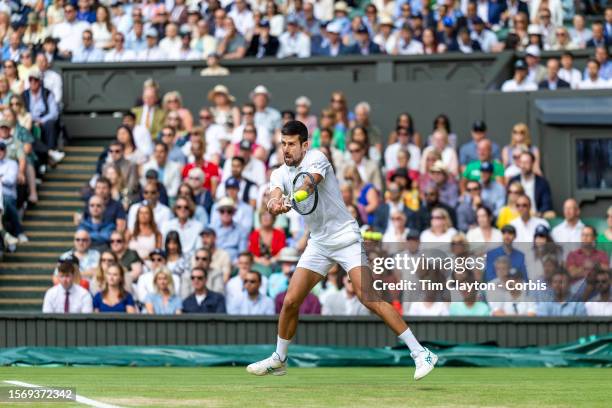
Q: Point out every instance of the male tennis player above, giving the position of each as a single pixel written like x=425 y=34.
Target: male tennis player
x=334 y=238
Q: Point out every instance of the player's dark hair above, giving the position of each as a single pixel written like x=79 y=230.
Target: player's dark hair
x=295 y=127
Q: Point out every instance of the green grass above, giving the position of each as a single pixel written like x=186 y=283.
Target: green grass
x=327 y=387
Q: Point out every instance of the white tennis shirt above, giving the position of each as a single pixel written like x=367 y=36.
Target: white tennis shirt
x=330 y=224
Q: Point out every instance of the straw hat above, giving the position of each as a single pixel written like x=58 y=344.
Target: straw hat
x=220 y=89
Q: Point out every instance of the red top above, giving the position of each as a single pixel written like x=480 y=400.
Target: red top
x=278 y=243
x=579 y=257
x=211 y=171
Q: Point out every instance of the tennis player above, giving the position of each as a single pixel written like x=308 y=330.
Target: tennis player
x=334 y=238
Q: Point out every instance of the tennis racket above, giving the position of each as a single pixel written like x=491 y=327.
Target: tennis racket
x=304 y=196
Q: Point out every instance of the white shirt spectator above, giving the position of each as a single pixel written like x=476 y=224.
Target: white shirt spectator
x=142 y=139
x=426 y=309
x=387 y=45
x=151 y=54
x=181 y=54
x=504 y=302
x=234 y=288
x=487 y=39
x=414 y=47
x=171 y=175
x=512 y=86
x=189 y=233
x=428 y=236
x=573 y=76
x=69 y=34
x=243 y=20
x=161 y=215
x=169 y=45
x=340 y=303
x=53 y=82
x=79 y=300
x=263 y=136
x=599 y=83
x=391 y=156
x=119 y=56
x=84 y=55
x=254 y=170
x=476 y=236
x=101 y=35
x=294 y=45
x=145 y=285
x=243 y=216
x=598 y=308
x=525 y=231
x=566 y=233
x=263 y=305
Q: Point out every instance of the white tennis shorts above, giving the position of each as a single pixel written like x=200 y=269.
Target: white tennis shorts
x=319 y=259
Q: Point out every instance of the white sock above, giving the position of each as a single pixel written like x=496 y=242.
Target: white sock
x=411 y=341
x=281 y=347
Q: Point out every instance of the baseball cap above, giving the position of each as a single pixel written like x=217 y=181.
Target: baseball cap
x=534 y=29
x=232 y=182
x=225 y=202
x=4 y=123
x=541 y=231
x=438 y=167
x=413 y=234
x=533 y=50
x=245 y=144
x=208 y=231
x=417 y=15
x=341 y=6
x=477 y=20
x=292 y=19
x=486 y=166
x=479 y=126
x=448 y=22
x=334 y=27
x=35 y=73
x=70 y=258
x=520 y=64
x=508 y=229
x=401 y=172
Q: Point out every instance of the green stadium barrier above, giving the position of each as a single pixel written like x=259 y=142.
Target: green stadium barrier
x=587 y=352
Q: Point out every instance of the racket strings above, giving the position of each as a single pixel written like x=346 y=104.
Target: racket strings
x=307 y=205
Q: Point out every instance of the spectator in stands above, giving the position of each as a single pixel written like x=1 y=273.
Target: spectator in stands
x=145 y=236
x=127 y=168
x=469 y=151
x=203 y=42
x=484 y=155
x=302 y=113
x=309 y=306
x=177 y=262
x=579 y=32
x=243 y=215
x=263 y=44
x=504 y=302
x=440 y=143
x=470 y=306
x=526 y=224
x=601 y=303
x=95 y=224
x=605 y=237
x=484 y=232
x=278 y=282
x=293 y=42
x=232 y=237
x=119 y=53
x=598 y=38
x=366 y=194
x=259 y=136
x=82 y=250
x=149 y=114
x=42 y=105
x=129 y=259
x=492 y=192
x=470 y=201
x=173 y=102
x=96 y=276
x=113 y=297
x=136 y=40
x=367 y=168
x=210 y=169
x=577 y=259
x=570 y=230
x=152 y=51
x=213 y=68
x=561 y=304
x=383 y=214
x=184 y=52
x=87 y=52
x=485 y=37
x=520 y=81
x=517 y=258
x=251 y=301
x=592 y=79
x=9 y=178
x=509 y=212
x=169 y=170
x=232 y=45
x=164 y=300
x=265 y=115
x=12 y=75
x=220 y=259
x=202 y=300
x=552 y=81
x=535 y=186
x=65 y=297
x=441 y=229
x=343 y=302
x=521 y=138
x=444 y=182
x=161 y=212
x=602 y=56
x=184 y=223
x=266 y=242
x=69 y=31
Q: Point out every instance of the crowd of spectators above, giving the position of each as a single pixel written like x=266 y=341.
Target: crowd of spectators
x=175 y=219
x=121 y=30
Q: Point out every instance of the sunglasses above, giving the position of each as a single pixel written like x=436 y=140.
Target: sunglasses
x=437 y=217
x=471 y=190
x=225 y=211
x=201 y=258
x=247 y=112
x=514 y=192
x=522 y=205
x=200 y=278
x=355 y=151
x=116 y=241
x=396 y=218
x=95 y=205
x=182 y=207
x=205 y=117
x=166 y=134
x=115 y=150
x=150 y=192
x=157 y=259
x=250 y=281
x=81 y=239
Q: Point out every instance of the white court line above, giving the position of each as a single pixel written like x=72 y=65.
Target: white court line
x=79 y=398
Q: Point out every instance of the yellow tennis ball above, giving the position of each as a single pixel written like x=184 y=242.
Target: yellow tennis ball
x=300 y=195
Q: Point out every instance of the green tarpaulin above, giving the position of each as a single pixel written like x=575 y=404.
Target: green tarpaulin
x=587 y=352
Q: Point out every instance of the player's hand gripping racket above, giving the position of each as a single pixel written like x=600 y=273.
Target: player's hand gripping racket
x=304 y=197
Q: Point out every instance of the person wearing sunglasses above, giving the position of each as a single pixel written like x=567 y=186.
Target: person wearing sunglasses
x=526 y=224
x=231 y=236
x=128 y=258
x=98 y=228
x=251 y=301
x=202 y=300
x=601 y=303
x=146 y=284
x=243 y=214
x=187 y=227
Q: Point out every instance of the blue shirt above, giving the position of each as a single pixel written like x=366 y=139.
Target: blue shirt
x=553 y=308
x=174 y=304
x=37 y=107
x=90 y=54
x=469 y=152
x=494 y=194
x=121 y=307
x=263 y=305
x=517 y=261
x=232 y=239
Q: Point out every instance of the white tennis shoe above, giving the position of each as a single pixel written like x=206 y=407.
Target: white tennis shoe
x=271 y=365
x=424 y=361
